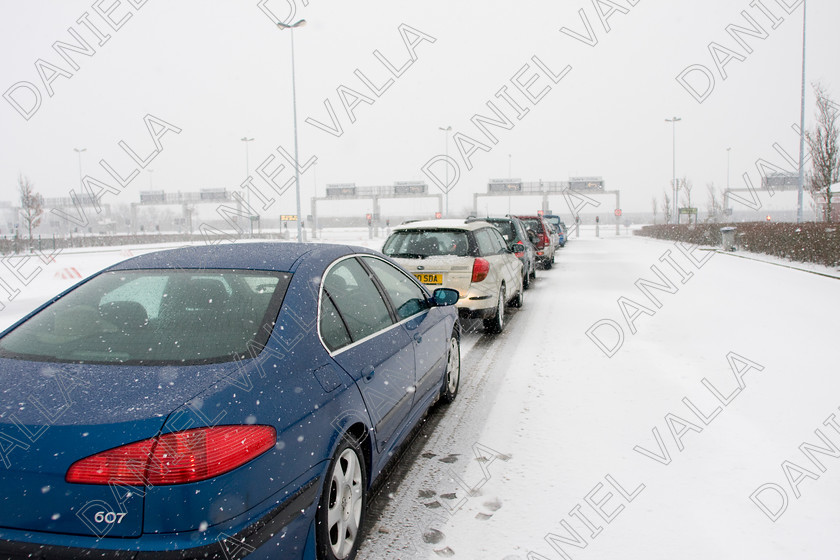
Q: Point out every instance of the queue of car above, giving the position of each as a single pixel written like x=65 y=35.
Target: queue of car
x=241 y=400
x=470 y=256
x=547 y=239
x=557 y=223
x=490 y=261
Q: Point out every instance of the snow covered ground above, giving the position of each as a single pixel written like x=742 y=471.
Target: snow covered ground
x=644 y=439
x=555 y=450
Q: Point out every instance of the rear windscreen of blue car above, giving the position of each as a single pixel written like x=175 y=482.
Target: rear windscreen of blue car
x=154 y=317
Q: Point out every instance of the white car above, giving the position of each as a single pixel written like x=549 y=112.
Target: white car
x=467 y=255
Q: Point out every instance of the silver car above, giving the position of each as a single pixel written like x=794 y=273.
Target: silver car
x=467 y=255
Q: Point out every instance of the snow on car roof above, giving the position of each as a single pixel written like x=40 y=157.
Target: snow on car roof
x=278 y=256
x=447 y=223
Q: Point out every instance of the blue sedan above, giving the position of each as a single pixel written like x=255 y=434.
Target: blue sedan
x=216 y=402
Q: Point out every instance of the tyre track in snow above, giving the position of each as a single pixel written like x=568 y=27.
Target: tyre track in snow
x=421 y=492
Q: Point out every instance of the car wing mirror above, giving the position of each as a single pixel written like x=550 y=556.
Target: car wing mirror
x=443 y=297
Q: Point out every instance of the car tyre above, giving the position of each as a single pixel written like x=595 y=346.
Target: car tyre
x=526 y=280
x=342 y=509
x=452 y=377
x=547 y=264
x=497 y=323
x=534 y=271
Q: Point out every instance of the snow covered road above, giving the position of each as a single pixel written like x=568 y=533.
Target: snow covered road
x=554 y=450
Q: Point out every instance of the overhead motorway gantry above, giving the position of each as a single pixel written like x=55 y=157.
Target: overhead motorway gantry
x=575 y=187
x=76 y=209
x=187 y=201
x=349 y=191
x=771 y=182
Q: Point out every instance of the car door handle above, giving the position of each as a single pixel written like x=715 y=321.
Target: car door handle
x=368 y=372
x=418 y=338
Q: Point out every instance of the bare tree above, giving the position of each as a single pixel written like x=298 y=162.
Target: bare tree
x=685 y=187
x=654 y=207
x=31 y=204
x=666 y=206
x=825 y=152
x=714 y=203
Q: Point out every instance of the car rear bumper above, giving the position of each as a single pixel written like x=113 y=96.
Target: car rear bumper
x=480 y=313
x=288 y=517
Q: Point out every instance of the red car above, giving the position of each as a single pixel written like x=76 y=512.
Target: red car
x=546 y=244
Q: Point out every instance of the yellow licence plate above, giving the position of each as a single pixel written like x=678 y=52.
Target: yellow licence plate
x=430 y=278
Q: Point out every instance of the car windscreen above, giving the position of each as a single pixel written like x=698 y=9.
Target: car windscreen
x=419 y=244
x=154 y=317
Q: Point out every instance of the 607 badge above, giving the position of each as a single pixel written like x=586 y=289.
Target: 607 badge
x=99 y=517
x=108 y=517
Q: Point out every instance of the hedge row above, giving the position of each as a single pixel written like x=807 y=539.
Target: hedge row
x=805 y=242
x=49 y=244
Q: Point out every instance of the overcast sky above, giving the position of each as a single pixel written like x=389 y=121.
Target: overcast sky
x=201 y=75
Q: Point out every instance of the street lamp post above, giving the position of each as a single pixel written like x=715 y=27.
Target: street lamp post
x=248 y=174
x=727 y=167
x=674 y=122
x=79 y=153
x=446 y=150
x=299 y=23
x=801 y=184
x=726 y=192
x=510 y=156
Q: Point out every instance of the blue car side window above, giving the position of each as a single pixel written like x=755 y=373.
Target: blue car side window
x=356 y=298
x=408 y=298
x=333 y=330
